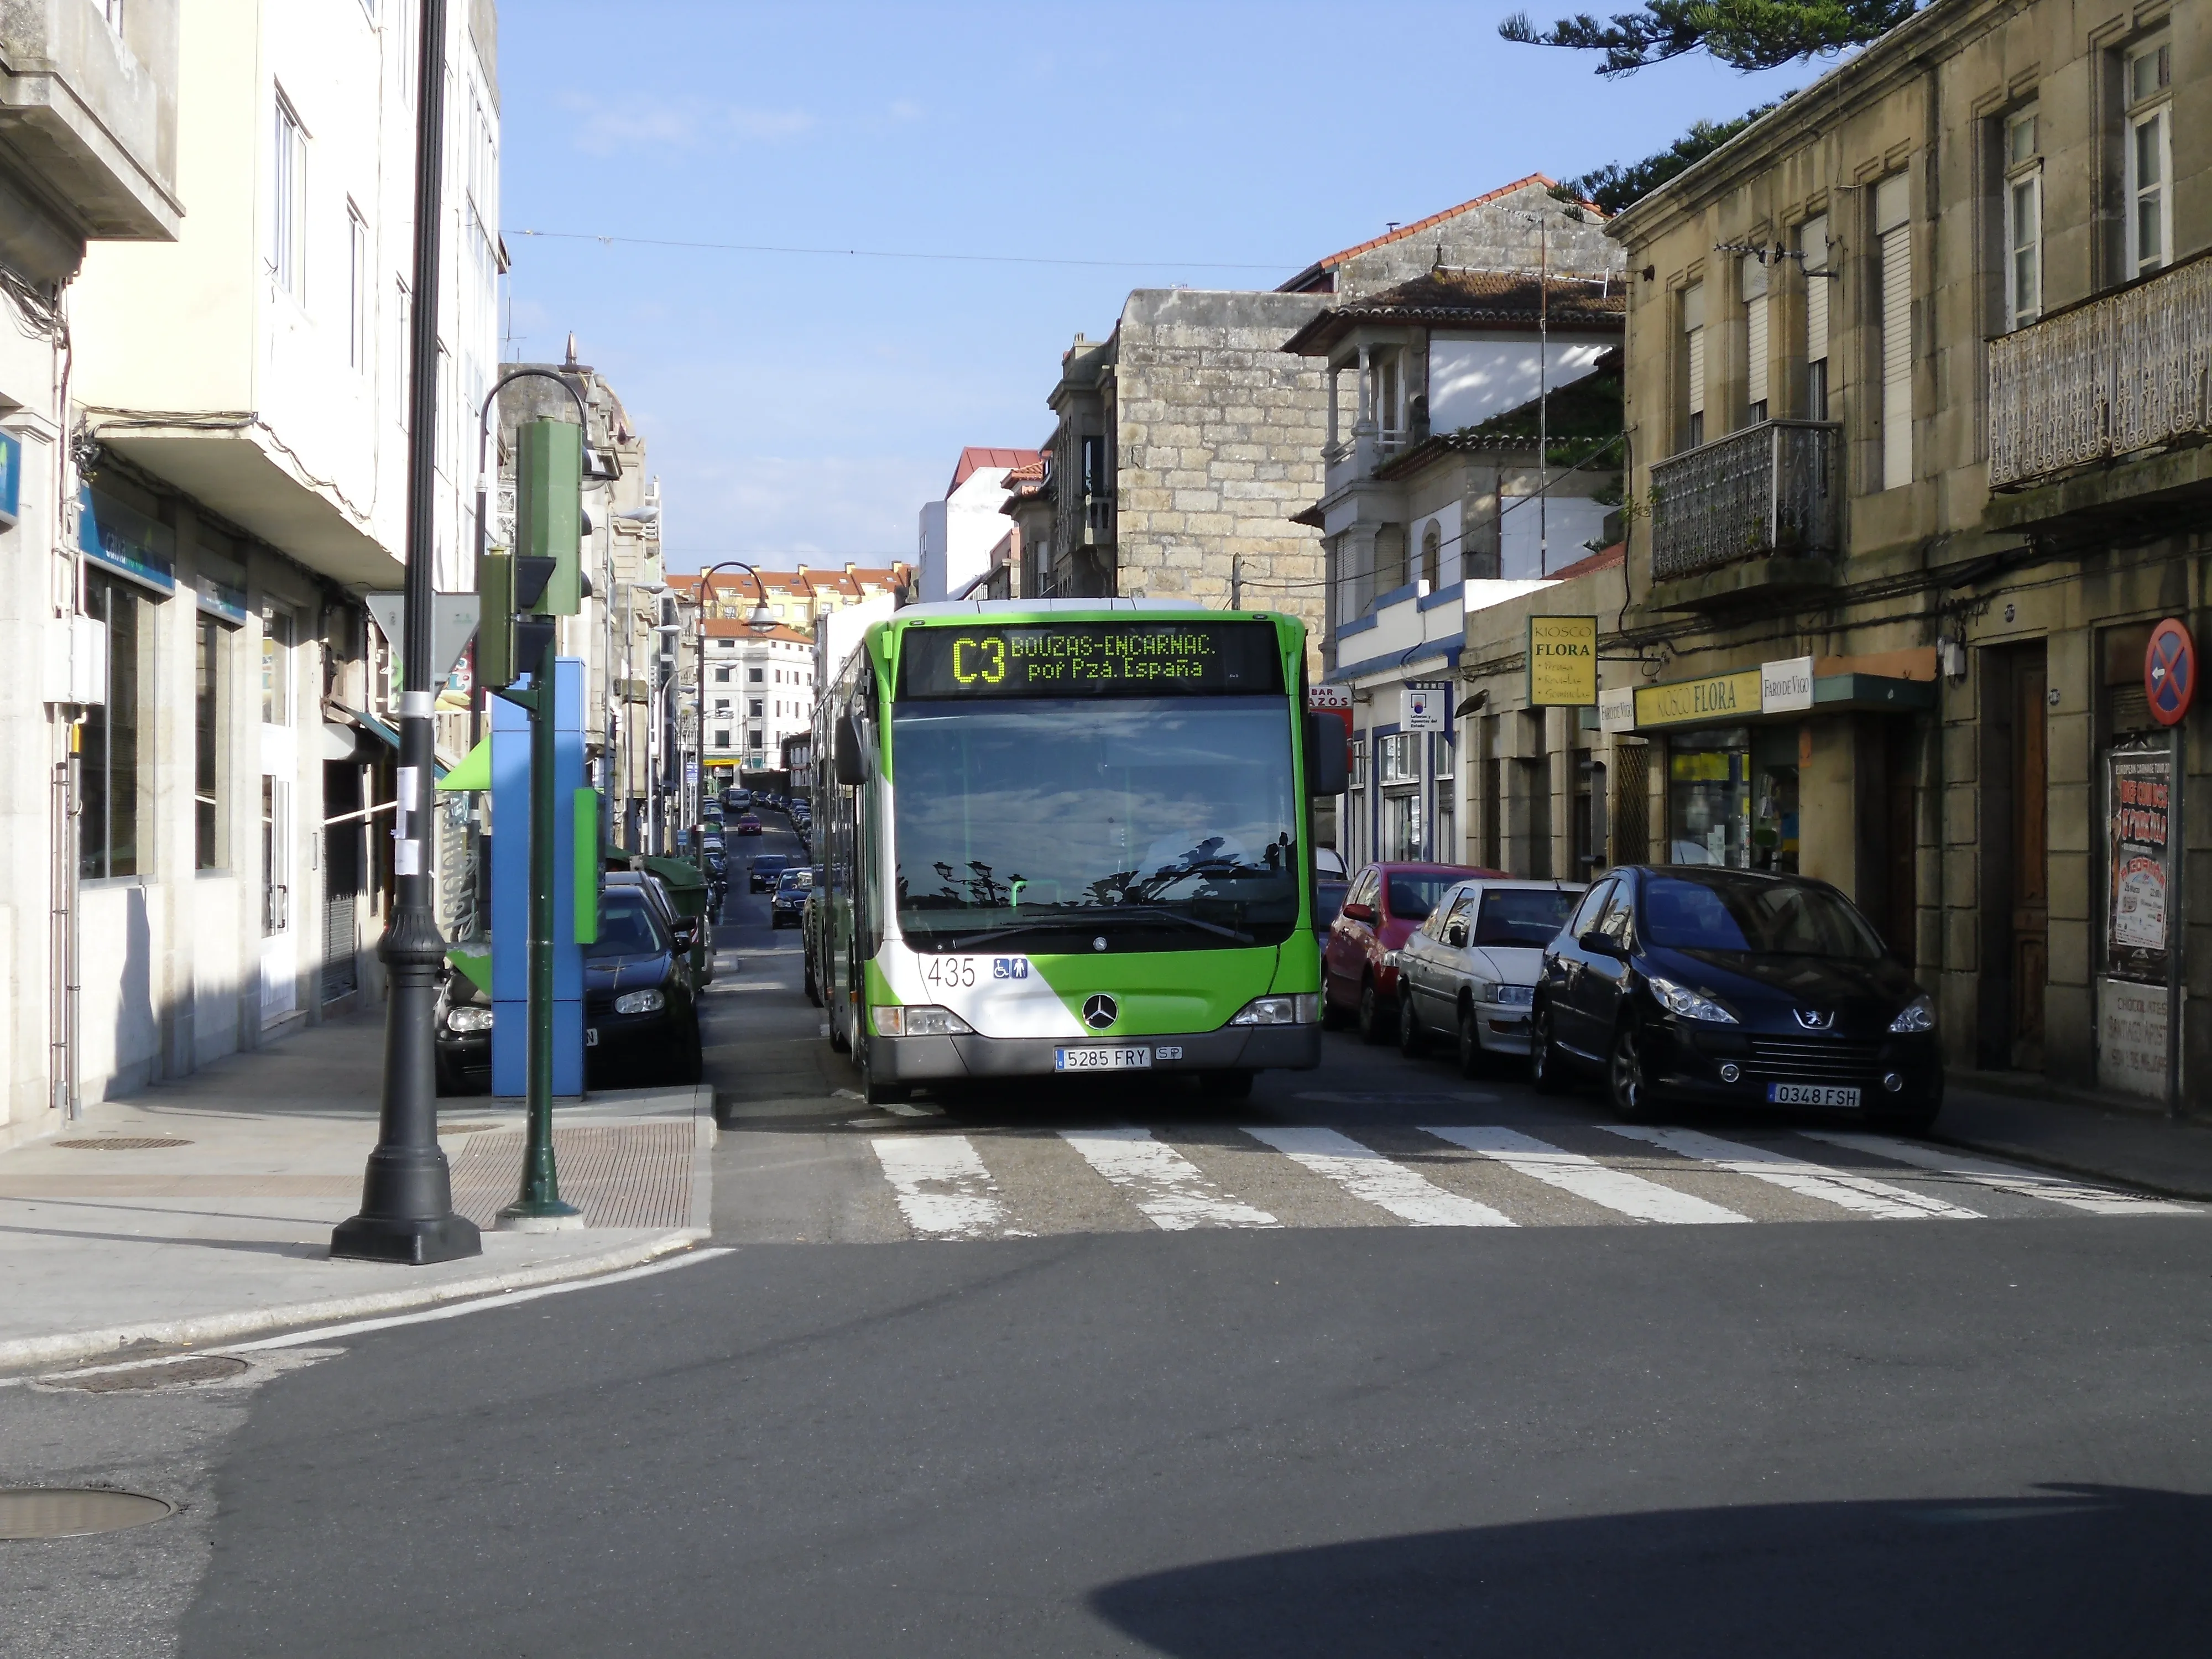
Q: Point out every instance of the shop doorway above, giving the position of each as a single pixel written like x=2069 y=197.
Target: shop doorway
x=2016 y=856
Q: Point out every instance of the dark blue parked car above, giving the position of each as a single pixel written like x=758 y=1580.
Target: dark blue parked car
x=1687 y=984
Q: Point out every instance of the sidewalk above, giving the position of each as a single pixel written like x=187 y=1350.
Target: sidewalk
x=2064 y=1130
x=200 y=1211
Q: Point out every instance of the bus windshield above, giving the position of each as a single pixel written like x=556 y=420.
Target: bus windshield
x=1160 y=823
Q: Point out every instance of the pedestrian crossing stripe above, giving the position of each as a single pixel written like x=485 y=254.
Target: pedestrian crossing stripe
x=945 y=1189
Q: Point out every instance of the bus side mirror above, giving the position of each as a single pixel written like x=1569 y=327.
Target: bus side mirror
x=1326 y=771
x=852 y=764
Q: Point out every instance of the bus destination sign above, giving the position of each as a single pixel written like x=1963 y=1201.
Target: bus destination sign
x=1090 y=659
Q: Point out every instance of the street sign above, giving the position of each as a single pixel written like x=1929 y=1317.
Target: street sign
x=452 y=624
x=1562 y=662
x=1422 y=706
x=2170 y=671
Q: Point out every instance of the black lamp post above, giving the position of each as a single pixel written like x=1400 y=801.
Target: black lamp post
x=760 y=622
x=407 y=1197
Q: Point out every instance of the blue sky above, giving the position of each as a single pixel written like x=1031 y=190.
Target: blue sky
x=805 y=406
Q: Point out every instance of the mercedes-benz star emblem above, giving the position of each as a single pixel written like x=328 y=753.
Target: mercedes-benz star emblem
x=1813 y=1020
x=1101 y=1011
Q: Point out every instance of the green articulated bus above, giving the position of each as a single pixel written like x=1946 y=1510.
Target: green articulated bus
x=1071 y=836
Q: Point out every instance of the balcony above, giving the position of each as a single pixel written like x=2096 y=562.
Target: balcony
x=1771 y=493
x=2111 y=379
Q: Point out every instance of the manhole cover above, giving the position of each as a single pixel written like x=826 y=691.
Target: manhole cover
x=73 y=1511
x=199 y=1367
x=123 y=1143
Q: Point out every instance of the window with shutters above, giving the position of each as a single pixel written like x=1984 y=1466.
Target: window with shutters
x=1694 y=355
x=1813 y=243
x=2023 y=220
x=1892 y=229
x=2149 y=160
x=1754 y=334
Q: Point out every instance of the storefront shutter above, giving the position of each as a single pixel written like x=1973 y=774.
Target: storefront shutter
x=1693 y=325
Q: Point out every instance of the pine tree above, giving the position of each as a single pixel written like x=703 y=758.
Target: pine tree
x=1746 y=34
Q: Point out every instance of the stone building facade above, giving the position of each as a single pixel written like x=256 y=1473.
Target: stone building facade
x=1916 y=389
x=1186 y=441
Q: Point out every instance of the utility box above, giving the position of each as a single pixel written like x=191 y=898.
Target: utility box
x=510 y=888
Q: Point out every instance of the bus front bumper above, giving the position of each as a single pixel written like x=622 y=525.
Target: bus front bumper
x=1237 y=1049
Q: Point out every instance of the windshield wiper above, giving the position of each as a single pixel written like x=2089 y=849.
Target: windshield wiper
x=1080 y=920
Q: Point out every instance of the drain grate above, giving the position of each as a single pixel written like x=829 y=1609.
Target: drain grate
x=466 y=1128
x=122 y=1143
x=196 y=1368
x=74 y=1511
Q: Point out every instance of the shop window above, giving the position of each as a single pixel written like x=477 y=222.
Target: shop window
x=1709 y=798
x=276 y=668
x=108 y=784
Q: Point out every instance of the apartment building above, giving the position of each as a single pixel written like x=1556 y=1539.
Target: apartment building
x=1917 y=399
x=237 y=425
x=88 y=154
x=960 y=534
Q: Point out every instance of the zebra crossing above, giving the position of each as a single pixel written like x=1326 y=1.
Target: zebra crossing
x=1018 y=1184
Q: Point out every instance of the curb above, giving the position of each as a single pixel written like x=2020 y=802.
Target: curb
x=29 y=1350
x=2061 y=1165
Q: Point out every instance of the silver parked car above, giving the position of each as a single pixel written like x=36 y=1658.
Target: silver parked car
x=1470 y=970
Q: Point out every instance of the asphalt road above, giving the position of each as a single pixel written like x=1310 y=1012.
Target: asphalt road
x=1147 y=1427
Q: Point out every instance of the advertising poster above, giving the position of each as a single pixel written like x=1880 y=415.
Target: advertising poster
x=2137 y=781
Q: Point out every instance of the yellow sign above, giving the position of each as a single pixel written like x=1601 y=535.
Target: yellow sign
x=1563 y=662
x=1696 y=702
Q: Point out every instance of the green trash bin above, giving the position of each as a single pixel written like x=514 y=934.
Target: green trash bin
x=687 y=889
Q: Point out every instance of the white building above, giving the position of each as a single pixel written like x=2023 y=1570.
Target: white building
x=759 y=690
x=959 y=532
x=239 y=407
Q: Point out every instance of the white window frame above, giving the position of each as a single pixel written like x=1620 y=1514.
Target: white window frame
x=1893 y=241
x=358 y=354
x=288 y=194
x=2150 y=115
x=2023 y=218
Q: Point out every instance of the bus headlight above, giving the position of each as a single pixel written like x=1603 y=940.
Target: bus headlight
x=1302 y=1009
x=923 y=1019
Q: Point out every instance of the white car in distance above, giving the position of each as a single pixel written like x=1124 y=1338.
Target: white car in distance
x=1469 y=971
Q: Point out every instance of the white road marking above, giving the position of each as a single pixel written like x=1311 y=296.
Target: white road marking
x=1167 y=1187
x=1585 y=1177
x=943 y=1189
x=1366 y=1174
x=2006 y=1178
x=456 y=1309
x=1858 y=1193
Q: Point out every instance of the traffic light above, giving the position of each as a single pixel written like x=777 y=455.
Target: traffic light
x=548 y=517
x=496 y=664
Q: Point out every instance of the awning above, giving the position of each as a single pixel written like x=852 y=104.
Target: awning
x=389 y=735
x=471 y=771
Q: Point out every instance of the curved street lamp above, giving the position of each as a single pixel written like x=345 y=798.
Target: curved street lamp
x=760 y=620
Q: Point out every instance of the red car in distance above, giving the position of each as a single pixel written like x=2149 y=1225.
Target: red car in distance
x=1359 y=957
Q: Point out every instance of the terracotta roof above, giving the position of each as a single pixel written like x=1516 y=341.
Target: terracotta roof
x=975 y=458
x=725 y=627
x=1446 y=298
x=1604 y=559
x=1307 y=281
x=1028 y=471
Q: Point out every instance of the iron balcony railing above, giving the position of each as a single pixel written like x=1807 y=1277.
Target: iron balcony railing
x=1773 y=488
x=2105 y=378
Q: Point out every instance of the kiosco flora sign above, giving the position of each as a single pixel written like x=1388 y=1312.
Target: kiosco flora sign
x=1721 y=696
x=1562 y=662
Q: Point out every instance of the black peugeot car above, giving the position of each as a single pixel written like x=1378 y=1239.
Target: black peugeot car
x=1689 y=984
x=641 y=1018
x=788 y=902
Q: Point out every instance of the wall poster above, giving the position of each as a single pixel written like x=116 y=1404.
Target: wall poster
x=2131 y=993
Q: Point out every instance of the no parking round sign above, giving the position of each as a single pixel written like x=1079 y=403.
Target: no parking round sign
x=2170 y=671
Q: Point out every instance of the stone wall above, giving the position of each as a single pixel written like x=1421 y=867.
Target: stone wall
x=1221 y=436
x=1495 y=233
